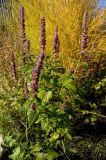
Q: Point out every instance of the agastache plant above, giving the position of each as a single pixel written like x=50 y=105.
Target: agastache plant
x=22 y=23
x=26 y=91
x=23 y=38
x=35 y=75
x=42 y=35
x=56 y=43
x=89 y=57
x=22 y=30
x=84 y=32
x=37 y=68
x=13 y=66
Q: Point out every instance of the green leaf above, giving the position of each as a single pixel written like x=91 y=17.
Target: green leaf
x=40 y=156
x=54 y=136
x=93 y=119
x=13 y=141
x=73 y=150
x=15 y=154
x=40 y=118
x=68 y=84
x=94 y=106
x=47 y=97
x=44 y=124
x=51 y=155
x=36 y=148
x=41 y=94
x=69 y=136
x=72 y=88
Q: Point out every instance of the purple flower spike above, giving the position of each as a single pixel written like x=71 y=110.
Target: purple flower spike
x=13 y=66
x=25 y=89
x=56 y=43
x=84 y=32
x=43 y=35
x=28 y=45
x=35 y=75
x=22 y=23
x=90 y=56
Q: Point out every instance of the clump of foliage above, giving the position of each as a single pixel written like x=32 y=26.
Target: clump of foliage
x=44 y=128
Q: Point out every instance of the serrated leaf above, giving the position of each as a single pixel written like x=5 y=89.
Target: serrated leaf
x=69 y=136
x=55 y=136
x=41 y=94
x=36 y=148
x=44 y=124
x=47 y=97
x=15 y=154
x=68 y=84
x=40 y=156
x=51 y=155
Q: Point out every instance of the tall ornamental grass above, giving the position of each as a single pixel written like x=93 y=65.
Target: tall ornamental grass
x=68 y=15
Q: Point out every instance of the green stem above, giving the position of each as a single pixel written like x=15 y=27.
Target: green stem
x=26 y=129
x=97 y=114
x=64 y=150
x=77 y=64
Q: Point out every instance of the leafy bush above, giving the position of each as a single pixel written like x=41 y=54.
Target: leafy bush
x=40 y=131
